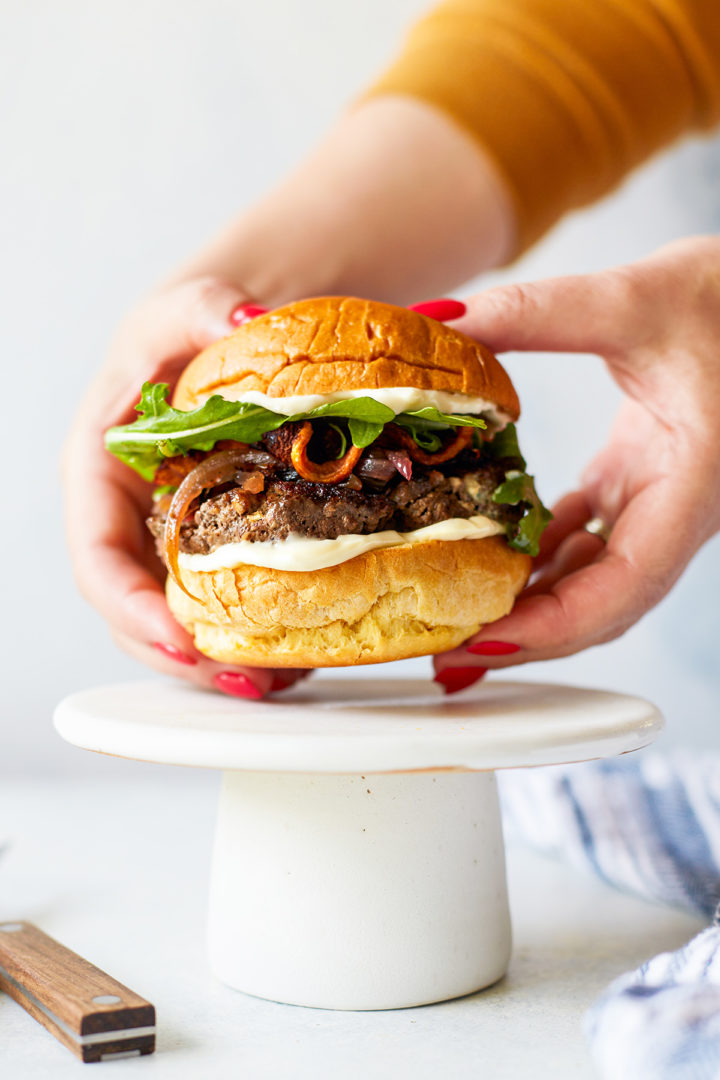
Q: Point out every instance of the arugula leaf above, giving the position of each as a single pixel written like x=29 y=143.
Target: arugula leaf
x=162 y=431
x=425 y=424
x=519 y=488
x=426 y=437
x=364 y=432
x=343 y=440
x=505 y=445
x=366 y=417
x=360 y=408
x=432 y=417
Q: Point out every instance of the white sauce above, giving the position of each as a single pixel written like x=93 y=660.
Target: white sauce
x=398 y=398
x=303 y=553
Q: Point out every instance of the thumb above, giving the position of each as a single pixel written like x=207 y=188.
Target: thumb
x=187 y=317
x=158 y=339
x=591 y=313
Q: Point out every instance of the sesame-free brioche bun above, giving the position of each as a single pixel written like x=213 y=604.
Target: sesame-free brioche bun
x=387 y=604
x=340 y=343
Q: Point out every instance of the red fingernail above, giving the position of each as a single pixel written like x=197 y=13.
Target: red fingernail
x=453 y=679
x=441 y=310
x=232 y=682
x=173 y=653
x=493 y=648
x=245 y=312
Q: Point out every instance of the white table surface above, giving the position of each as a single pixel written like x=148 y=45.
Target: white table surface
x=117 y=869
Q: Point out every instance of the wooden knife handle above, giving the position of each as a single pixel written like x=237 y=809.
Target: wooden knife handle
x=92 y=1014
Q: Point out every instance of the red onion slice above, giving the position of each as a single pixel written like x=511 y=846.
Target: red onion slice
x=214 y=470
x=401 y=461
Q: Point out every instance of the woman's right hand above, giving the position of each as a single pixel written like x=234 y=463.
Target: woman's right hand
x=113 y=554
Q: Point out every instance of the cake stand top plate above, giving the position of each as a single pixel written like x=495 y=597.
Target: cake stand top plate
x=358 y=725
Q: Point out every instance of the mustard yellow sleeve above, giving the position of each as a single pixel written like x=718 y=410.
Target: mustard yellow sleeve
x=567 y=96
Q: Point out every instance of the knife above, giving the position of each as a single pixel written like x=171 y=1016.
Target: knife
x=91 y=1013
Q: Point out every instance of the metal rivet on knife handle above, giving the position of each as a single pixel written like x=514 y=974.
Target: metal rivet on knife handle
x=88 y=1011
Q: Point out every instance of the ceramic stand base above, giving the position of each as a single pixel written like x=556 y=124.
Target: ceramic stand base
x=359 y=892
x=359 y=860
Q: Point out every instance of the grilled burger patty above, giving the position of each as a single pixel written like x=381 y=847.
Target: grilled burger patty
x=325 y=511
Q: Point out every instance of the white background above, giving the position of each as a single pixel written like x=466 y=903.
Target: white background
x=130 y=132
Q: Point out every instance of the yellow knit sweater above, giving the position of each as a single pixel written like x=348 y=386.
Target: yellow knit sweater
x=566 y=95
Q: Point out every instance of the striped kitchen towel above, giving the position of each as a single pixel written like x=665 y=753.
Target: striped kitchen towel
x=648 y=824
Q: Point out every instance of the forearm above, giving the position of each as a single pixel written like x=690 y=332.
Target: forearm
x=398 y=203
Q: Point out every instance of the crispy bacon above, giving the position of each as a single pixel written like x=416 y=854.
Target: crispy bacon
x=327 y=472
x=461 y=441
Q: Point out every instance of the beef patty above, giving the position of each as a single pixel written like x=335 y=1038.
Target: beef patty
x=326 y=511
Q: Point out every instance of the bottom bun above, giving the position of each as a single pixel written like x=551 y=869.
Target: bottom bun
x=389 y=604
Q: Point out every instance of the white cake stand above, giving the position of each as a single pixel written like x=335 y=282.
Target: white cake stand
x=359 y=860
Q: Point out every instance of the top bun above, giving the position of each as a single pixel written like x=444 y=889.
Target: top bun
x=339 y=343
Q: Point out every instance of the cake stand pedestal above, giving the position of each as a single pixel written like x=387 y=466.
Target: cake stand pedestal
x=359 y=860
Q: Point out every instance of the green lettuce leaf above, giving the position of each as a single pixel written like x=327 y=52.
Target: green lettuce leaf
x=425 y=425
x=518 y=489
x=432 y=417
x=505 y=445
x=162 y=431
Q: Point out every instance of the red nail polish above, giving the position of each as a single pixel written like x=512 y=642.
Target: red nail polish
x=232 y=682
x=173 y=653
x=441 y=310
x=245 y=312
x=493 y=648
x=459 y=678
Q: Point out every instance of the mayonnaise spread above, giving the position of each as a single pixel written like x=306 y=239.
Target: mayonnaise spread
x=304 y=553
x=398 y=398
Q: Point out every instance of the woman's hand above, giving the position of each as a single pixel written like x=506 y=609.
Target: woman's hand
x=112 y=551
x=656 y=484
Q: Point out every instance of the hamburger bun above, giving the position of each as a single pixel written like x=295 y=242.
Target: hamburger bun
x=388 y=604
x=340 y=343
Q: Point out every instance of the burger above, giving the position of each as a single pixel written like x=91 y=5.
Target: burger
x=337 y=482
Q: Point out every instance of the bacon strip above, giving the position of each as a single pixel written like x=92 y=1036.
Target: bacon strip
x=462 y=440
x=327 y=472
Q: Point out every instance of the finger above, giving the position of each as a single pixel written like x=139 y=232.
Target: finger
x=598 y=602
x=577 y=550
x=233 y=680
x=569 y=514
x=596 y=313
x=156 y=343
x=284 y=678
x=190 y=316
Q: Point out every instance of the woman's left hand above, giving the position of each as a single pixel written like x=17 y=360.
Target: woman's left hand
x=655 y=485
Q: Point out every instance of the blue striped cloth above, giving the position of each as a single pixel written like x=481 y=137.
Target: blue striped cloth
x=650 y=825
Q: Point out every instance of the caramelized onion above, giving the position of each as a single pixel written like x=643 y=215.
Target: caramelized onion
x=402 y=462
x=376 y=465
x=462 y=440
x=214 y=470
x=328 y=472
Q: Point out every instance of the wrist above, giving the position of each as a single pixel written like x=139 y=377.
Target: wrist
x=397 y=203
